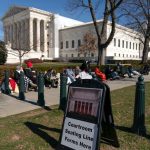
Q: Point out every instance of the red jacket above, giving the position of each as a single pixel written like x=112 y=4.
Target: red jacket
x=12 y=84
x=100 y=74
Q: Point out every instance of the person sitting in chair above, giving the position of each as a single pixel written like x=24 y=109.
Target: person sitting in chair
x=50 y=78
x=30 y=72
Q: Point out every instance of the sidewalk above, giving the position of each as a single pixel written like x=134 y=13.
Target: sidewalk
x=125 y=82
x=11 y=106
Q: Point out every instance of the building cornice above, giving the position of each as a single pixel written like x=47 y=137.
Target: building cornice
x=118 y=26
x=32 y=9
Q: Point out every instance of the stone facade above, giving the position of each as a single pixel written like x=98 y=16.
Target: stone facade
x=33 y=30
x=124 y=45
x=49 y=36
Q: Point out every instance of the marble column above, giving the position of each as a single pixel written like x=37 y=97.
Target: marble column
x=38 y=35
x=11 y=34
x=42 y=35
x=17 y=35
x=14 y=35
x=8 y=34
x=30 y=33
x=21 y=34
x=45 y=36
x=5 y=36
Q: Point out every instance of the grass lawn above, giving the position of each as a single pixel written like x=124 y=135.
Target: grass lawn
x=40 y=129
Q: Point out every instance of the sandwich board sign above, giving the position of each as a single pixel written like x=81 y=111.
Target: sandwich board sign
x=82 y=120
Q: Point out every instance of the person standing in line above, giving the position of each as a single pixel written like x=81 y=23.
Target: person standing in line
x=84 y=72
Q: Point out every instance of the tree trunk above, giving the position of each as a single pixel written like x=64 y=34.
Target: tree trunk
x=145 y=50
x=20 y=58
x=101 y=58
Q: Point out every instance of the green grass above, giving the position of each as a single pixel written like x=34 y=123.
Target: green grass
x=40 y=129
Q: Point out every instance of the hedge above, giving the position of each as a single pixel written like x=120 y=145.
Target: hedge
x=59 y=67
x=40 y=67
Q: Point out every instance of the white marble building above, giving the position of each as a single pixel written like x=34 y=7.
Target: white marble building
x=33 y=30
x=51 y=36
x=124 y=46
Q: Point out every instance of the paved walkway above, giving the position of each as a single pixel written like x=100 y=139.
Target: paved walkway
x=9 y=105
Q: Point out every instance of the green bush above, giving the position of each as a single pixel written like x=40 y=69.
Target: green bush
x=3 y=53
x=34 y=60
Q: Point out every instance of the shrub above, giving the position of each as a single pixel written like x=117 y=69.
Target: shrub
x=3 y=53
x=34 y=60
x=54 y=60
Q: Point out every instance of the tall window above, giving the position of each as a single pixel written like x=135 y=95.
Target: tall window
x=118 y=42
x=67 y=44
x=139 y=46
x=130 y=45
x=133 y=45
x=61 y=45
x=114 y=41
x=136 y=46
x=126 y=44
x=72 y=55
x=79 y=43
x=72 y=43
x=123 y=44
x=92 y=54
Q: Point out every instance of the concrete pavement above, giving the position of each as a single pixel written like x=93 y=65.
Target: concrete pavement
x=9 y=105
x=125 y=82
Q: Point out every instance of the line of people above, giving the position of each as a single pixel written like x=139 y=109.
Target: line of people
x=30 y=81
x=120 y=71
x=112 y=73
x=51 y=78
x=83 y=72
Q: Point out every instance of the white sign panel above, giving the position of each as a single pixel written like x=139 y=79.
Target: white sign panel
x=79 y=135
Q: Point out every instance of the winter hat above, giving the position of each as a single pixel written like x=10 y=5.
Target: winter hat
x=29 y=64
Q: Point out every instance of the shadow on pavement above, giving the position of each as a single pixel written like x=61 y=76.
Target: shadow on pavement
x=31 y=102
x=38 y=129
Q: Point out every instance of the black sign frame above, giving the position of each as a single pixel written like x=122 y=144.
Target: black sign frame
x=93 y=84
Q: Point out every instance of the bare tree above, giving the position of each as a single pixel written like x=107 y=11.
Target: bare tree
x=89 y=44
x=19 y=40
x=22 y=50
x=137 y=15
x=110 y=7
